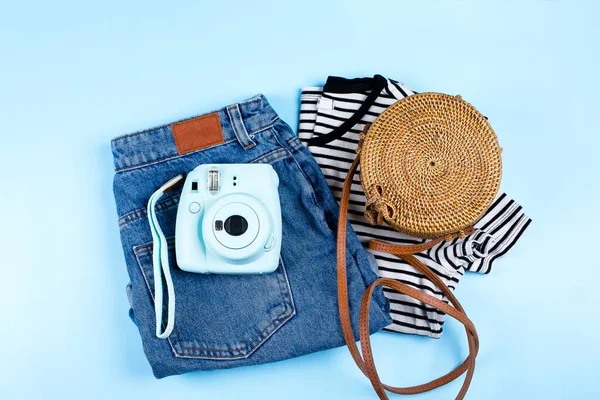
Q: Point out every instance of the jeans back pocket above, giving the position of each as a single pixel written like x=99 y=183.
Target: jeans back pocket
x=222 y=316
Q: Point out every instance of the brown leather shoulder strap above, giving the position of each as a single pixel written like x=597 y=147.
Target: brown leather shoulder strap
x=399 y=249
x=366 y=362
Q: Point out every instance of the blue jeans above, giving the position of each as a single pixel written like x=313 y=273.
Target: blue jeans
x=225 y=321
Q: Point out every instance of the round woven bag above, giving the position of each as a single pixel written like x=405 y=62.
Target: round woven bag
x=430 y=166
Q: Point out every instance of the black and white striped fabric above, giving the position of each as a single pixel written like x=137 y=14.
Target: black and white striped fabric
x=339 y=111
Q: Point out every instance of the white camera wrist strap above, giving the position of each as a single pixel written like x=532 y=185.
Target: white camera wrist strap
x=160 y=262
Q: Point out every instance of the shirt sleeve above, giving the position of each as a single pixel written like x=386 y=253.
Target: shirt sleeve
x=495 y=234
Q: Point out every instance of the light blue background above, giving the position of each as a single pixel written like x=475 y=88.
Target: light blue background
x=74 y=75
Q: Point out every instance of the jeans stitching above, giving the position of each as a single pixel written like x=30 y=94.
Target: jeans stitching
x=295 y=143
x=145 y=164
x=312 y=189
x=140 y=213
x=128 y=135
x=167 y=158
x=148 y=285
x=264 y=128
x=272 y=156
x=261 y=337
x=239 y=128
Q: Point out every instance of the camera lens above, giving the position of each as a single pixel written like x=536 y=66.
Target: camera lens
x=236 y=225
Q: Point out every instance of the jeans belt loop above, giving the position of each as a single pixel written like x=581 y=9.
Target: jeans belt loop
x=235 y=117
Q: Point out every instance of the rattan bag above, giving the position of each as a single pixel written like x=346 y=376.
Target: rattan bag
x=430 y=167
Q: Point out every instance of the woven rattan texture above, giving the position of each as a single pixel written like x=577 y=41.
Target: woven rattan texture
x=430 y=166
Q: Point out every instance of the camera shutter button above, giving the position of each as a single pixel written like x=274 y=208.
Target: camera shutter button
x=270 y=243
x=195 y=207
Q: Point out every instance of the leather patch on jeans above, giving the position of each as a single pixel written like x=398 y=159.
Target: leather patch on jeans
x=197 y=133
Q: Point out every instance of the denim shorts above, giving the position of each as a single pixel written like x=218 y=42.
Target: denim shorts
x=225 y=321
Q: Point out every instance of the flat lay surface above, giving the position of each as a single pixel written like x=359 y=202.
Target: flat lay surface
x=73 y=76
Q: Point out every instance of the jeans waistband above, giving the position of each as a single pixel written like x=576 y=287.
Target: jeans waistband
x=239 y=122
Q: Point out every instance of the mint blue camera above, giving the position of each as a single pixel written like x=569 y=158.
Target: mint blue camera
x=229 y=220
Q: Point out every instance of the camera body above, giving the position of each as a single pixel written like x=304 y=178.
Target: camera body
x=229 y=220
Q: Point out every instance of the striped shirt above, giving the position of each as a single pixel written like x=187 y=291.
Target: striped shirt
x=339 y=111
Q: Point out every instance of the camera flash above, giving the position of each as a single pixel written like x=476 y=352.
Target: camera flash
x=214 y=183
